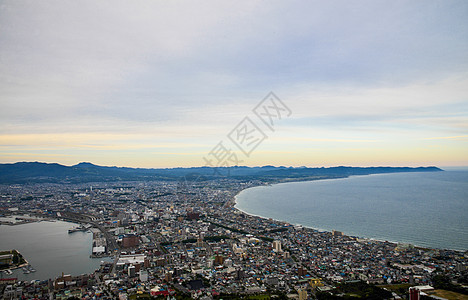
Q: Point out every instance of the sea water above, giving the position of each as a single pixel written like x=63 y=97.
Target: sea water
x=428 y=209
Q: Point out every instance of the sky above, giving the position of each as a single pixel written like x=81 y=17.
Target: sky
x=178 y=83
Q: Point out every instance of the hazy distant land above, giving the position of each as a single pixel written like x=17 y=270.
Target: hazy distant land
x=38 y=172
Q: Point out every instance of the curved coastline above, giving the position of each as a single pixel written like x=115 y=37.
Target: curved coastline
x=235 y=203
x=344 y=233
x=310 y=227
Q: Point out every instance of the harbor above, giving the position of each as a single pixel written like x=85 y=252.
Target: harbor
x=11 y=260
x=81 y=228
x=49 y=250
x=14 y=219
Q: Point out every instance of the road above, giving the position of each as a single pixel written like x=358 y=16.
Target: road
x=81 y=218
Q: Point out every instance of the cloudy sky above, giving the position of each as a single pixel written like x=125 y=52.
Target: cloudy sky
x=162 y=83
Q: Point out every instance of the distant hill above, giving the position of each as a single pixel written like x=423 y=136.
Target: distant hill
x=37 y=172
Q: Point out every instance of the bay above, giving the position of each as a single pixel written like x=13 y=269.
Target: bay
x=423 y=209
x=49 y=248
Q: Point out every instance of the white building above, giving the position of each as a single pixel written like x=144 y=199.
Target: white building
x=143 y=276
x=277 y=246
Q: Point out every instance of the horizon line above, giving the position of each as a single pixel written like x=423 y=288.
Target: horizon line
x=238 y=166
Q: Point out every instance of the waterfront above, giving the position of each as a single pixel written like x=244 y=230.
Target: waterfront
x=49 y=248
x=425 y=209
x=180 y=243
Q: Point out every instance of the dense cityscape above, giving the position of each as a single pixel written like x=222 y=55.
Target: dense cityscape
x=185 y=239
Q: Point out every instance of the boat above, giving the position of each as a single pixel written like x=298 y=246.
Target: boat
x=8 y=272
x=25 y=270
x=31 y=269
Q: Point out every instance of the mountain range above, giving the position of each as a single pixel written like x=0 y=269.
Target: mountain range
x=39 y=172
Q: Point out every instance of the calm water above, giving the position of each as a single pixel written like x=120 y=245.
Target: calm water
x=49 y=248
x=424 y=209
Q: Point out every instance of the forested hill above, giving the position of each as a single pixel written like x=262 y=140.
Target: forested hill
x=36 y=172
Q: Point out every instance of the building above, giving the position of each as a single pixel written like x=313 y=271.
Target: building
x=219 y=260
x=413 y=293
x=12 y=292
x=302 y=294
x=277 y=246
x=200 y=243
x=5 y=281
x=143 y=276
x=130 y=241
x=99 y=250
x=193 y=216
x=131 y=271
x=62 y=282
x=315 y=282
x=301 y=271
x=337 y=233
x=147 y=263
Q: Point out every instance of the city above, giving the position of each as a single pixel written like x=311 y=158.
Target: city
x=186 y=239
x=234 y=149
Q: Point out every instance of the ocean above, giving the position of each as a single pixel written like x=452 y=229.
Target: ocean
x=422 y=209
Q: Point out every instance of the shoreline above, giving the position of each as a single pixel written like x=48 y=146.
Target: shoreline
x=234 y=202
x=42 y=270
x=26 y=263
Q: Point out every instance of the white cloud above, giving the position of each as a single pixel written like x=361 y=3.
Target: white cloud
x=113 y=66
